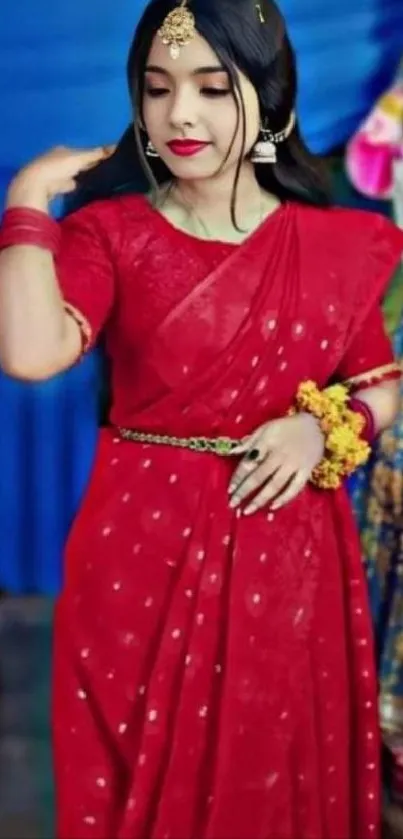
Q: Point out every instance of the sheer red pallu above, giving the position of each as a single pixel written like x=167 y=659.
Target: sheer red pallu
x=214 y=674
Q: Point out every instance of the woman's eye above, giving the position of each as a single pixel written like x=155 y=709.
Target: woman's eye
x=155 y=92
x=215 y=91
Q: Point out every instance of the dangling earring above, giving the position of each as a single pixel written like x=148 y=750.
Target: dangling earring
x=264 y=150
x=151 y=151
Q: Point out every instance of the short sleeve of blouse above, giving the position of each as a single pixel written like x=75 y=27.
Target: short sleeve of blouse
x=369 y=351
x=85 y=271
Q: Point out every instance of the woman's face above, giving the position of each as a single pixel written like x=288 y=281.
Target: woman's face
x=190 y=99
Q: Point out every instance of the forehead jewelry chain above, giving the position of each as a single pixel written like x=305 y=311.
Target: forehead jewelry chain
x=178 y=29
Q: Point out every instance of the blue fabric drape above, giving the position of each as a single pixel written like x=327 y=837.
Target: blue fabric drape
x=47 y=444
x=62 y=81
x=347 y=54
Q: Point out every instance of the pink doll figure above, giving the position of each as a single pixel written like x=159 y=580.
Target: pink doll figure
x=373 y=150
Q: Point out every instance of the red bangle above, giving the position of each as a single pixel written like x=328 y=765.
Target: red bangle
x=25 y=226
x=359 y=407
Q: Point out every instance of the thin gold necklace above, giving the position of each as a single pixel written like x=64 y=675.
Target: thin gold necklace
x=196 y=224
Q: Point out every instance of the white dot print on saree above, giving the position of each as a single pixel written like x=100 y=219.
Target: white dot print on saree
x=298 y=330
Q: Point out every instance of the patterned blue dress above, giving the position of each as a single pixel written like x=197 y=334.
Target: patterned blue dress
x=377 y=493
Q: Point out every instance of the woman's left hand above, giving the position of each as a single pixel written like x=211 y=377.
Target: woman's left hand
x=280 y=457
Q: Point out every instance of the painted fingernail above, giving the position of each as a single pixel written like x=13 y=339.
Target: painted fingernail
x=234 y=502
x=231 y=489
x=249 y=510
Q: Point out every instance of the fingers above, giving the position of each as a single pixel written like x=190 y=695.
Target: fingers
x=260 y=442
x=108 y=151
x=93 y=157
x=263 y=437
x=271 y=489
x=295 y=486
x=97 y=153
x=274 y=468
x=250 y=477
x=245 y=468
x=64 y=187
x=246 y=444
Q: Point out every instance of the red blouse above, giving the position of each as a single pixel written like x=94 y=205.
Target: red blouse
x=128 y=271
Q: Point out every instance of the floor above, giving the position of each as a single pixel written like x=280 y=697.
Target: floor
x=25 y=761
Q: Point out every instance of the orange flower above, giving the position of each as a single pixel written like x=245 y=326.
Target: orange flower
x=345 y=450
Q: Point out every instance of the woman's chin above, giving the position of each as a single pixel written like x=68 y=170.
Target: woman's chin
x=191 y=167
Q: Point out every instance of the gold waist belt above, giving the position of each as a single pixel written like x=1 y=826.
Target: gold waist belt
x=222 y=446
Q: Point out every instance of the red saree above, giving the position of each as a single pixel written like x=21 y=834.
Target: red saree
x=214 y=673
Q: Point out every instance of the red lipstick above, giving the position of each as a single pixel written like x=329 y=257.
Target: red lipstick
x=186 y=148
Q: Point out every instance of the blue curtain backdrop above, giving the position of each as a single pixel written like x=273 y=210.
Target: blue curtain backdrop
x=62 y=81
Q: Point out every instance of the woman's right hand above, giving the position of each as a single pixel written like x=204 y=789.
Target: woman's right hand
x=52 y=174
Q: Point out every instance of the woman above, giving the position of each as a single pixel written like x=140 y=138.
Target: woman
x=213 y=663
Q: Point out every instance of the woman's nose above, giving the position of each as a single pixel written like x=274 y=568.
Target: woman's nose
x=183 y=110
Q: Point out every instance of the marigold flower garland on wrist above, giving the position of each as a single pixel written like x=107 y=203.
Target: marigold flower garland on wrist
x=342 y=428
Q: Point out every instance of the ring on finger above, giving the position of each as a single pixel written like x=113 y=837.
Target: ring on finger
x=255 y=455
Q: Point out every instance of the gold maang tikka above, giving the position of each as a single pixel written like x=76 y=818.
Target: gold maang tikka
x=178 y=29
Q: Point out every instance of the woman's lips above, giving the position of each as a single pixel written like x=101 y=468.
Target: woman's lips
x=187 y=148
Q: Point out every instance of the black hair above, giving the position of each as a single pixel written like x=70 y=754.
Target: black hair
x=246 y=35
